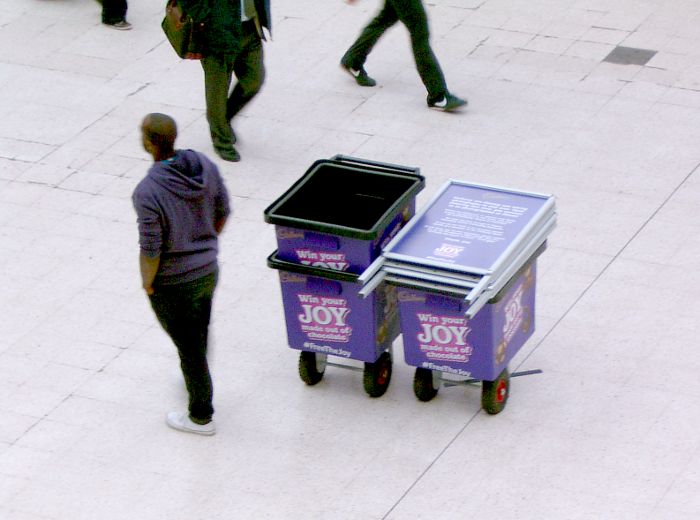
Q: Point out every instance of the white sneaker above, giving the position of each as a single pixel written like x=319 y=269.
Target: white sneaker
x=181 y=421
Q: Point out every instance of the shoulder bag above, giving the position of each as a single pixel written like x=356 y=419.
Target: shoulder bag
x=184 y=34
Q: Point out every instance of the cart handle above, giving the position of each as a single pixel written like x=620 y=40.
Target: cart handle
x=453 y=382
x=372 y=284
x=371 y=270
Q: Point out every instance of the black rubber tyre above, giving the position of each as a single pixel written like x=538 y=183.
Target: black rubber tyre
x=494 y=394
x=377 y=376
x=423 y=384
x=308 y=370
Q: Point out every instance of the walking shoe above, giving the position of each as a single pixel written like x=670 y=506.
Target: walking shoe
x=228 y=154
x=360 y=75
x=122 y=25
x=447 y=103
x=181 y=421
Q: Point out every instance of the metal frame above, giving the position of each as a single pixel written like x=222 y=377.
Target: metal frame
x=546 y=209
x=375 y=164
x=407 y=273
x=370 y=286
x=483 y=298
x=322 y=361
x=426 y=286
x=436 y=264
x=476 y=285
x=469 y=382
x=530 y=233
x=422 y=269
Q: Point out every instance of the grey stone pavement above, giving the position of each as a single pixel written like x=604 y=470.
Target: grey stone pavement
x=609 y=430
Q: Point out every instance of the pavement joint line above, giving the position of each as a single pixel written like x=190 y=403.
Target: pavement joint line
x=429 y=466
x=607 y=266
x=77 y=87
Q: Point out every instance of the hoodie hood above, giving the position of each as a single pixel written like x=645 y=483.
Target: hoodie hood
x=184 y=174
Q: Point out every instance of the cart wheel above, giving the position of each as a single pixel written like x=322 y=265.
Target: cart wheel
x=377 y=375
x=494 y=394
x=423 y=384
x=309 y=368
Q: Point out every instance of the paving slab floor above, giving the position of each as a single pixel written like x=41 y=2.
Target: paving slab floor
x=608 y=430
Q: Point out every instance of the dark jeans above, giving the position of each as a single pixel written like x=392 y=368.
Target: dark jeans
x=412 y=14
x=249 y=68
x=184 y=311
x=113 y=11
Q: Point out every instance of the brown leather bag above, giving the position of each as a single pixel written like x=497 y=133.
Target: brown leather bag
x=184 y=34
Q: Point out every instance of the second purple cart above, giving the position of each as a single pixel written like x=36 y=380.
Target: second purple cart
x=465 y=268
x=439 y=339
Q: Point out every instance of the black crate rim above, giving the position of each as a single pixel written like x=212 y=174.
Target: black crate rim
x=338 y=230
x=319 y=272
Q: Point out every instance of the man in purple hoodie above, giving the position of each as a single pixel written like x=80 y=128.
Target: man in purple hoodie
x=182 y=206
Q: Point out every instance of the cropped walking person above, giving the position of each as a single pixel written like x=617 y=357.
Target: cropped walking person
x=182 y=205
x=233 y=45
x=412 y=14
x=114 y=14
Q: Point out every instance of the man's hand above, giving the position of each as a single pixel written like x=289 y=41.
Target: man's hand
x=350 y=1
x=149 y=268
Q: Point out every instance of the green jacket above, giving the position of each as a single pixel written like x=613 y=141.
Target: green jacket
x=222 y=20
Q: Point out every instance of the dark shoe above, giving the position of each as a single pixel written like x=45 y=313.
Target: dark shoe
x=228 y=154
x=360 y=75
x=447 y=103
x=122 y=25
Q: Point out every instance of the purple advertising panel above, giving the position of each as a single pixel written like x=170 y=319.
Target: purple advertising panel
x=438 y=336
x=339 y=253
x=329 y=317
x=469 y=227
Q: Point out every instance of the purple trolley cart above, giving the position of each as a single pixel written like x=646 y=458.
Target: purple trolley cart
x=439 y=339
x=465 y=267
x=330 y=226
x=325 y=316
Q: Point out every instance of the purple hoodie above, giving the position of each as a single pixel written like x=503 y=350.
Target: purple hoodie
x=177 y=203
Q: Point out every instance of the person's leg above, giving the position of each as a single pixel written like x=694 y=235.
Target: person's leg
x=184 y=312
x=218 y=70
x=412 y=14
x=356 y=55
x=249 y=68
x=193 y=355
x=113 y=11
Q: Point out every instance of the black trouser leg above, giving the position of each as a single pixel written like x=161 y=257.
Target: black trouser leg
x=184 y=311
x=412 y=14
x=356 y=55
x=113 y=11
